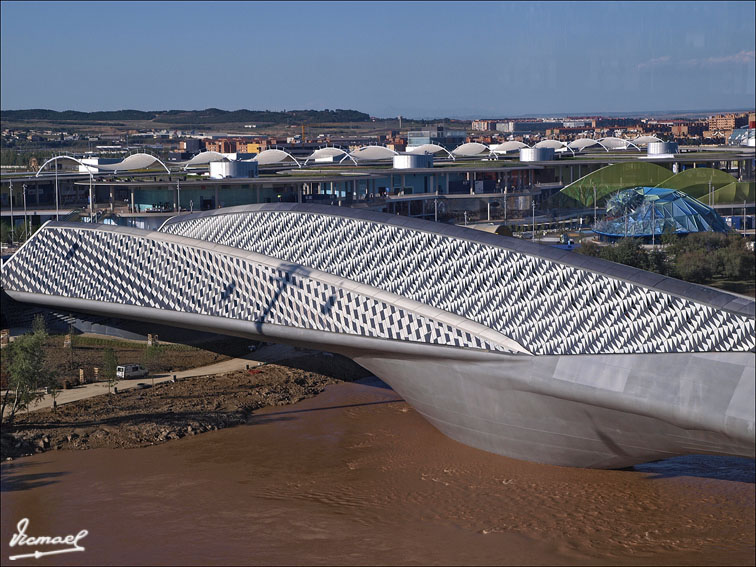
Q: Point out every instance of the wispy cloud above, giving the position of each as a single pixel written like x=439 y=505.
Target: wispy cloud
x=740 y=57
x=655 y=62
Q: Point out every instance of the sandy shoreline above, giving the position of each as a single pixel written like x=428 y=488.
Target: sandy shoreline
x=355 y=476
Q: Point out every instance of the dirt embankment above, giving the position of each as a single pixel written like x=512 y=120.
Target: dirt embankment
x=140 y=417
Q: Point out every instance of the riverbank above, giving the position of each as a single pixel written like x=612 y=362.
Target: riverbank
x=140 y=417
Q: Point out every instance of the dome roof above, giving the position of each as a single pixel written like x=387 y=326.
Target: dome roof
x=267 y=157
x=553 y=144
x=203 y=158
x=471 y=149
x=507 y=147
x=643 y=211
x=373 y=153
x=428 y=149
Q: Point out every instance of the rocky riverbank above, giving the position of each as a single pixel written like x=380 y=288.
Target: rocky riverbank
x=149 y=416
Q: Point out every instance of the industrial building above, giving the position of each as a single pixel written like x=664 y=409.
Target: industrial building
x=471 y=182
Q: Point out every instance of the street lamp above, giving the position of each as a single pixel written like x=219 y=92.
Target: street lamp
x=57 y=206
x=11 y=209
x=91 y=198
x=26 y=231
x=533 y=219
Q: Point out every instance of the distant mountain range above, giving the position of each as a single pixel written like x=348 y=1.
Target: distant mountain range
x=191 y=117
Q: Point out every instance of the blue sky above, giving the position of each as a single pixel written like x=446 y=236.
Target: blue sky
x=418 y=59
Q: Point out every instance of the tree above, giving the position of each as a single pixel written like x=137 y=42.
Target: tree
x=151 y=358
x=5 y=233
x=39 y=325
x=110 y=368
x=657 y=262
x=589 y=248
x=627 y=251
x=27 y=374
x=694 y=266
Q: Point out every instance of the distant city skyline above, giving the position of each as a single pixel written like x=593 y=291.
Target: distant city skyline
x=415 y=59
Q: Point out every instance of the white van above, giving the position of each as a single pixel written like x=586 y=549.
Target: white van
x=131 y=371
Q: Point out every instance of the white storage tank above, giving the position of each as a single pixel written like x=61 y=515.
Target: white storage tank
x=233 y=168
x=413 y=161
x=536 y=154
x=662 y=148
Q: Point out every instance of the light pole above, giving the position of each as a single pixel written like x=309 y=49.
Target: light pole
x=653 y=226
x=435 y=209
x=91 y=199
x=10 y=191
x=26 y=230
x=506 y=189
x=533 y=219
x=178 y=194
x=594 y=204
x=57 y=206
x=744 y=216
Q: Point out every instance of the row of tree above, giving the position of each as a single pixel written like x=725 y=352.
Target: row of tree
x=699 y=257
x=26 y=376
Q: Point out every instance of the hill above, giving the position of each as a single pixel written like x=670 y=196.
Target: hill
x=190 y=117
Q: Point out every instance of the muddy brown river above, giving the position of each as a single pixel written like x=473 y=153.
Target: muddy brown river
x=355 y=476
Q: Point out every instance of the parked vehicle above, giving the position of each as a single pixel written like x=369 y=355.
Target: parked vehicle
x=131 y=371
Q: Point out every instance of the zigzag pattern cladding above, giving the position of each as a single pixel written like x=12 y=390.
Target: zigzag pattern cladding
x=120 y=268
x=547 y=307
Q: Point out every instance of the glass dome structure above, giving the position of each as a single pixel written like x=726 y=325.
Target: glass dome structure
x=642 y=211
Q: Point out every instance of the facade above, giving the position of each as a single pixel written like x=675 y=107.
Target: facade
x=508 y=346
x=484 y=125
x=438 y=135
x=727 y=122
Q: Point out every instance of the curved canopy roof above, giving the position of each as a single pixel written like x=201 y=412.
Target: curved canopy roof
x=203 y=158
x=267 y=157
x=612 y=178
x=614 y=143
x=554 y=144
x=645 y=140
x=327 y=152
x=698 y=181
x=373 y=153
x=133 y=162
x=507 y=147
x=582 y=143
x=471 y=149
x=429 y=149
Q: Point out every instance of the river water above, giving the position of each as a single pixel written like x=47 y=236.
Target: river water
x=355 y=476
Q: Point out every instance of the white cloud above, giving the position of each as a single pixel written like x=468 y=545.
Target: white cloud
x=655 y=62
x=742 y=56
